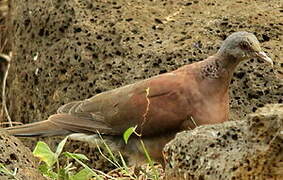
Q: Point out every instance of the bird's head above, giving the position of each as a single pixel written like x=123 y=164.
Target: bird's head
x=242 y=46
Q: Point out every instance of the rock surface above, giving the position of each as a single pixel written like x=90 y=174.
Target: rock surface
x=15 y=156
x=71 y=50
x=248 y=149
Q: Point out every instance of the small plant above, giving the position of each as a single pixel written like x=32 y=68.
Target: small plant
x=51 y=168
x=114 y=160
x=127 y=134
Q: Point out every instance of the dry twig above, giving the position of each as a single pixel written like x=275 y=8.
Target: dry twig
x=4 y=106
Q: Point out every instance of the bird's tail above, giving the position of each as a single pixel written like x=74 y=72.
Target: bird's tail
x=38 y=129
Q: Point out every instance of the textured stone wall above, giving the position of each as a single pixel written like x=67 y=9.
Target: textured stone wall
x=15 y=156
x=238 y=150
x=69 y=50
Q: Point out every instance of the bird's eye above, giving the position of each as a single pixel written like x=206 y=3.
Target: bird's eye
x=245 y=45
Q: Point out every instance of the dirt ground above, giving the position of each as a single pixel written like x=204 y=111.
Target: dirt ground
x=71 y=50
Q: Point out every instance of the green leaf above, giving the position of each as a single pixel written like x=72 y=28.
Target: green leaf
x=60 y=147
x=75 y=156
x=63 y=174
x=128 y=133
x=44 y=153
x=47 y=171
x=156 y=175
x=83 y=174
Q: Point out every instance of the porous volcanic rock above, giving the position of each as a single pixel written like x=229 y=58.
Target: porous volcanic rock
x=235 y=150
x=16 y=157
x=71 y=50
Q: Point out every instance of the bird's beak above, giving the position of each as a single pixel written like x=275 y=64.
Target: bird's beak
x=263 y=56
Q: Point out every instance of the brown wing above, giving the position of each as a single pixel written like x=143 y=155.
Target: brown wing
x=155 y=105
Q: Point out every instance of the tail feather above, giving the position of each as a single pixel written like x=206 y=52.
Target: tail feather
x=62 y=124
x=38 y=129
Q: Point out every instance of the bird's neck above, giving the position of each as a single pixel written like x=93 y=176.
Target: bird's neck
x=228 y=62
x=218 y=70
x=218 y=67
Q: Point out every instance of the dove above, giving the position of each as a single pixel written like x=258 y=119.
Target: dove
x=159 y=107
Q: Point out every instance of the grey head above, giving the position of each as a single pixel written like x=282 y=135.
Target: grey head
x=242 y=46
